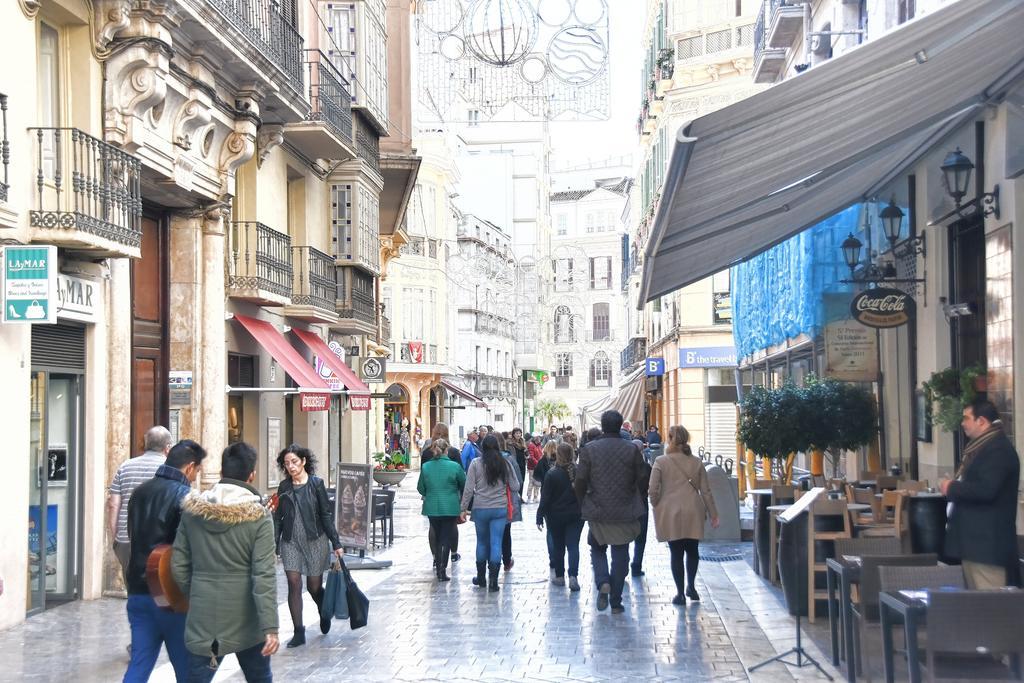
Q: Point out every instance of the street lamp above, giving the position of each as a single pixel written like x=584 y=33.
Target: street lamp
x=892 y=221
x=956 y=176
x=851 y=251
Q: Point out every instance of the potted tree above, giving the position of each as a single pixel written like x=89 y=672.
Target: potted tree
x=772 y=424
x=948 y=391
x=839 y=417
x=390 y=469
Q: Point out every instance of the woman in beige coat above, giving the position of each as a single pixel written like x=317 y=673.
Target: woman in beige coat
x=681 y=498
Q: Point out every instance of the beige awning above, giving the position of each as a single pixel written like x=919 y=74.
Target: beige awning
x=746 y=177
x=628 y=399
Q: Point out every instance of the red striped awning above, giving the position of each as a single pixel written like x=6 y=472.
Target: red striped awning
x=331 y=360
x=274 y=343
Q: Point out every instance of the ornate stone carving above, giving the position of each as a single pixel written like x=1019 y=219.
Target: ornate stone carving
x=136 y=82
x=270 y=136
x=30 y=7
x=113 y=16
x=193 y=116
x=238 y=148
x=388 y=251
x=713 y=71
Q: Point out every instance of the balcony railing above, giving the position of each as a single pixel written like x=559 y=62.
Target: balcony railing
x=84 y=184
x=385 y=331
x=312 y=278
x=5 y=149
x=260 y=259
x=562 y=381
x=633 y=354
x=358 y=307
x=329 y=96
x=759 y=32
x=368 y=148
x=493 y=386
x=266 y=27
x=600 y=335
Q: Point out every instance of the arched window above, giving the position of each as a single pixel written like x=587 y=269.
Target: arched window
x=600 y=370
x=564 y=329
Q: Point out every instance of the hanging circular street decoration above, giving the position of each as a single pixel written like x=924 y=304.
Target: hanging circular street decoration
x=577 y=55
x=501 y=32
x=534 y=68
x=554 y=12
x=883 y=307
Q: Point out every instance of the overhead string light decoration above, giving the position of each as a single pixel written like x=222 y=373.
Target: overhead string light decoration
x=548 y=56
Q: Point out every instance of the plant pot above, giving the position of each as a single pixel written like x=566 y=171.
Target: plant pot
x=386 y=478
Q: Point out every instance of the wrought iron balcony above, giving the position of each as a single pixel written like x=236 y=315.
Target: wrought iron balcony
x=87 y=192
x=327 y=131
x=260 y=264
x=5 y=149
x=313 y=285
x=368 y=147
x=768 y=61
x=783 y=24
x=633 y=354
x=358 y=307
x=493 y=386
x=265 y=26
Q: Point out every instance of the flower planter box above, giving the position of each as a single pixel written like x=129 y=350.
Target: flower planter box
x=386 y=478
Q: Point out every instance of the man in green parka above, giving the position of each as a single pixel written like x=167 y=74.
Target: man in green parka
x=223 y=561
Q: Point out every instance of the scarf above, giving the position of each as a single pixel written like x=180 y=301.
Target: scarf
x=976 y=445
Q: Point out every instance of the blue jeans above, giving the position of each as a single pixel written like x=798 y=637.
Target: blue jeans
x=152 y=627
x=490 y=529
x=254 y=665
x=564 y=535
x=620 y=567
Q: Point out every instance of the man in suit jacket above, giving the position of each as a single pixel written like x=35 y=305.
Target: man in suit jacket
x=982 y=526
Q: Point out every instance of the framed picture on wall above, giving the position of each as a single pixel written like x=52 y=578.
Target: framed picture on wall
x=922 y=417
x=273 y=448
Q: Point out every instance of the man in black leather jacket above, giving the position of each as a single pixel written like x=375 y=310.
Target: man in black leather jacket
x=153 y=515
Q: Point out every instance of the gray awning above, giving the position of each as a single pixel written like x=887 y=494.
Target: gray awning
x=753 y=174
x=627 y=398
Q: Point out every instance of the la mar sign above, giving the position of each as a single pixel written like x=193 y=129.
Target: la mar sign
x=883 y=307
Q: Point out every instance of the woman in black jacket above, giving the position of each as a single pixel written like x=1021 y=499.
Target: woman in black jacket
x=560 y=507
x=304 y=534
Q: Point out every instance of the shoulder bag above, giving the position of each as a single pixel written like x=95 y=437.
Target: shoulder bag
x=358 y=603
x=700 y=496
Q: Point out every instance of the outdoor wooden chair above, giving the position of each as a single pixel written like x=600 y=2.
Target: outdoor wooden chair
x=887 y=483
x=828 y=521
x=890 y=519
x=969 y=634
x=865 y=609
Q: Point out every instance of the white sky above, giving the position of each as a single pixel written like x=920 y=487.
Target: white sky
x=575 y=142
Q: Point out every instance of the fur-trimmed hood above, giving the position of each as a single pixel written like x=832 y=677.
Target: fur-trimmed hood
x=227 y=504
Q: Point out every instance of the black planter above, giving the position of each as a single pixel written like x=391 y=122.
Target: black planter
x=927 y=520
x=762 y=518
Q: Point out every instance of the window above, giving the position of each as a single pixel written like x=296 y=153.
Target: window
x=563 y=224
x=563 y=275
x=601 y=272
x=721 y=300
x=369 y=228
x=432 y=248
x=472 y=74
x=906 y=10
x=564 y=329
x=563 y=370
x=718 y=41
x=688 y=48
x=590 y=222
x=49 y=94
x=474 y=117
x=600 y=370
x=744 y=35
x=341 y=31
x=341 y=221
x=602 y=329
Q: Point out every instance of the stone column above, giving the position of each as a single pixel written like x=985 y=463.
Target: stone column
x=212 y=376
x=119 y=379
x=186 y=296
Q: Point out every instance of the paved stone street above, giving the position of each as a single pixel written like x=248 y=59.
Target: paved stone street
x=421 y=631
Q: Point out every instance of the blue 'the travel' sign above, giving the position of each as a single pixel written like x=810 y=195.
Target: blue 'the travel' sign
x=708 y=357
x=654 y=367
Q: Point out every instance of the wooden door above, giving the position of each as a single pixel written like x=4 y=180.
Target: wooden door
x=149 y=332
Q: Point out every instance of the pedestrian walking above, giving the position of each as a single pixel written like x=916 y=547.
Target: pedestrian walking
x=304 y=534
x=440 y=431
x=636 y=566
x=609 y=478
x=223 y=561
x=653 y=436
x=517 y=444
x=154 y=512
x=983 y=497
x=470 y=451
x=560 y=508
x=441 y=483
x=129 y=476
x=534 y=455
x=489 y=481
x=517 y=516
x=682 y=500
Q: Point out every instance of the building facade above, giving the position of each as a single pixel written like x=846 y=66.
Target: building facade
x=698 y=58
x=212 y=184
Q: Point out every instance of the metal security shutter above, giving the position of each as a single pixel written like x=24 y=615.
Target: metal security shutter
x=720 y=428
x=58 y=346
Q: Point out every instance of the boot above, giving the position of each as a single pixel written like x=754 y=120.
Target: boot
x=325 y=619
x=299 y=638
x=442 y=563
x=492 y=576
x=481 y=575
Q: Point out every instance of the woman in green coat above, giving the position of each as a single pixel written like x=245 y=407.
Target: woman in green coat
x=441 y=482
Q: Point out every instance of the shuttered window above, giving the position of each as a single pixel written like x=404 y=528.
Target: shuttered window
x=58 y=346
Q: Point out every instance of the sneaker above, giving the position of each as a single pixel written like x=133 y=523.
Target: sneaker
x=574 y=585
x=602 y=596
x=618 y=609
x=558 y=581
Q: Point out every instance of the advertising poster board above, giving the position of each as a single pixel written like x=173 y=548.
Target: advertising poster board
x=353 y=504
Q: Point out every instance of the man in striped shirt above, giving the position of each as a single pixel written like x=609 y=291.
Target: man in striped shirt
x=129 y=475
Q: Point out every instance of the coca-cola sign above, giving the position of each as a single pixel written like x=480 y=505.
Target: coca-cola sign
x=883 y=307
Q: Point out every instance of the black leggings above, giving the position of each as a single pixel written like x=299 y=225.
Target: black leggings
x=314 y=584
x=444 y=531
x=432 y=540
x=677 y=548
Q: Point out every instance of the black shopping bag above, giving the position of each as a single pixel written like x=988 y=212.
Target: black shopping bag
x=335 y=599
x=358 y=603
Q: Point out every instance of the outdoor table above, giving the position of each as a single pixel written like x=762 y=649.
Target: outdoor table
x=894 y=607
x=762 y=535
x=847 y=570
x=926 y=514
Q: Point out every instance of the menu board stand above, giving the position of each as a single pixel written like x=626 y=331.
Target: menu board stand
x=353 y=515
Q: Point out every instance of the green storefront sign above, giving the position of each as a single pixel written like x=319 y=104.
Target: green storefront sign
x=29 y=284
